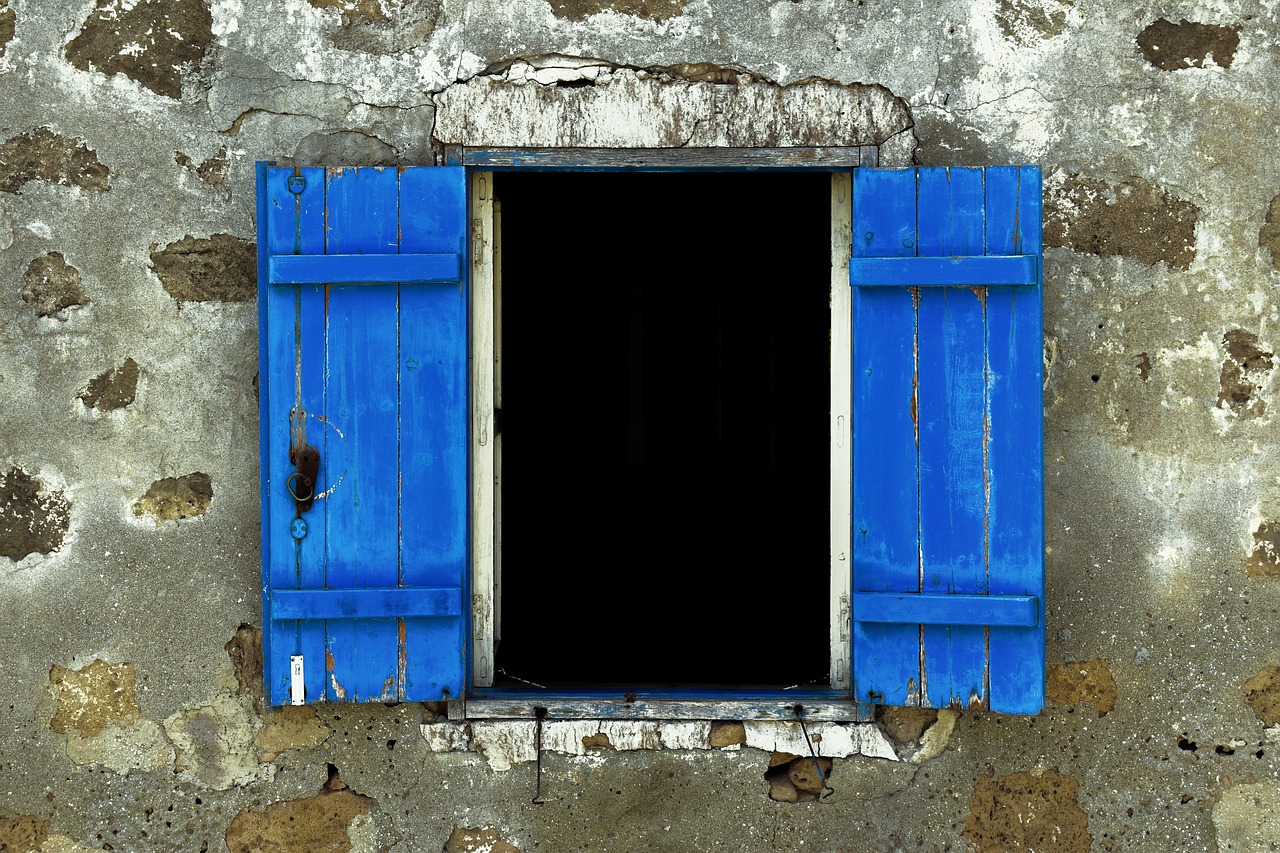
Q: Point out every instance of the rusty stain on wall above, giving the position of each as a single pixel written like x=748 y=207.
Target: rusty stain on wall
x=1133 y=218
x=93 y=696
x=1026 y=811
x=151 y=42
x=220 y=268
x=33 y=518
x=174 y=498
x=51 y=285
x=1083 y=681
x=1188 y=44
x=112 y=389
x=42 y=155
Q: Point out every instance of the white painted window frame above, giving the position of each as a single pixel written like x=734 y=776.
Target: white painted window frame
x=486 y=484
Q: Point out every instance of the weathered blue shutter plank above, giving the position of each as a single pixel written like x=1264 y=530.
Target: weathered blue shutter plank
x=955 y=495
x=1016 y=456
x=952 y=412
x=433 y=443
x=361 y=400
x=293 y=401
x=885 y=457
x=370 y=371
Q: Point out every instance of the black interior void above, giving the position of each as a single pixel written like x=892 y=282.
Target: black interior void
x=665 y=392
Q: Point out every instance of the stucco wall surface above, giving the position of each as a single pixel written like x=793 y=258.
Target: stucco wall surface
x=130 y=713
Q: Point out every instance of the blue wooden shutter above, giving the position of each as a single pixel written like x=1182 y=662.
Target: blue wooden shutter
x=948 y=507
x=362 y=331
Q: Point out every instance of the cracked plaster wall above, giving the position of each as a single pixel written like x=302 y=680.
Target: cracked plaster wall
x=126 y=204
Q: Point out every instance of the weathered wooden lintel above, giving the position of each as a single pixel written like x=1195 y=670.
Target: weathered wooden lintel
x=663 y=159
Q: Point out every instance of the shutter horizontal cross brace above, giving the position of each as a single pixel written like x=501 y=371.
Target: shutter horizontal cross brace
x=387 y=603
x=960 y=271
x=364 y=269
x=1006 y=611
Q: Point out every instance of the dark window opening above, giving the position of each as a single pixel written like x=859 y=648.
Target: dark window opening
x=665 y=455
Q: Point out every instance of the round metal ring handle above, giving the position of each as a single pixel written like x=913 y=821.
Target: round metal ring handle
x=288 y=484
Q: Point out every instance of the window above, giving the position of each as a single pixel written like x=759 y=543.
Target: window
x=646 y=427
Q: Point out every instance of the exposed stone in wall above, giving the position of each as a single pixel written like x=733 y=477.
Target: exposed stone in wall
x=1245 y=369
x=1025 y=811
x=905 y=725
x=23 y=834
x=1083 y=681
x=799 y=780
x=214 y=744
x=33 y=520
x=52 y=285
x=1246 y=818
x=221 y=268
x=1264 y=559
x=42 y=155
x=1133 y=218
x=569 y=102
x=652 y=10
x=1262 y=692
x=175 y=498
x=90 y=698
x=727 y=734
x=289 y=727
x=245 y=650
x=1188 y=44
x=484 y=840
x=150 y=41
x=212 y=171
x=113 y=389
x=320 y=823
x=139 y=746
x=63 y=844
x=8 y=25
x=1028 y=22
x=935 y=738
x=98 y=711
x=1269 y=234
x=382 y=26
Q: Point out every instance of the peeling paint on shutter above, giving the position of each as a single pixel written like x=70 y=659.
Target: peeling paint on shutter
x=362 y=331
x=948 y=506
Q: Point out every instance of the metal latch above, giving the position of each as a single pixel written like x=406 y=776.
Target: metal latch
x=302 y=482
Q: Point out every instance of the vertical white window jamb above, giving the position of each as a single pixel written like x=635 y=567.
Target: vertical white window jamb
x=483 y=437
x=841 y=531
x=497 y=438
